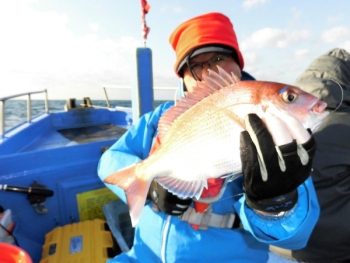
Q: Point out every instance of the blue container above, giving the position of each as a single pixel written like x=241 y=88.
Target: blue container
x=119 y=222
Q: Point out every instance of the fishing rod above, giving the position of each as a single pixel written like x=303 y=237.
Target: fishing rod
x=27 y=190
x=36 y=194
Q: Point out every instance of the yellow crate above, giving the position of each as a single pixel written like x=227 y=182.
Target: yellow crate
x=83 y=242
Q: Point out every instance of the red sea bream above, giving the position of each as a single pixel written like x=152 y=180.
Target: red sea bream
x=200 y=135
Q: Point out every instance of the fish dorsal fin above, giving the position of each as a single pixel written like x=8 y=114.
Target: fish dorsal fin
x=210 y=84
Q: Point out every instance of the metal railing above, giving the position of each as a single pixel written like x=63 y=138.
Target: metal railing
x=29 y=107
x=175 y=89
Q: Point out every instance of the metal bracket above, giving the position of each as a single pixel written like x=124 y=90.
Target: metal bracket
x=37 y=198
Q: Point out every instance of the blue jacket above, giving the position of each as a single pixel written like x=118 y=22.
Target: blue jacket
x=163 y=238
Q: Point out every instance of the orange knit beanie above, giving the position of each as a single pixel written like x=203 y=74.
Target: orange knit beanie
x=204 y=30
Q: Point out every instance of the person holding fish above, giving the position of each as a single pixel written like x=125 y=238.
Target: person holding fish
x=187 y=160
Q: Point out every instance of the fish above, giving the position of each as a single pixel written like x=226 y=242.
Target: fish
x=200 y=135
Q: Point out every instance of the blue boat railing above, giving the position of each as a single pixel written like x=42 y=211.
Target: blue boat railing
x=85 y=103
x=29 y=107
x=170 y=93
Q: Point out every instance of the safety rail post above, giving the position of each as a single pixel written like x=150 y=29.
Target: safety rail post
x=107 y=99
x=29 y=109
x=2 y=118
x=46 y=102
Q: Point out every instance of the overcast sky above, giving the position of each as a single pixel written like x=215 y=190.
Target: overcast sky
x=75 y=47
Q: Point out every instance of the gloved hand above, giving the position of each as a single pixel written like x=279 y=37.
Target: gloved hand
x=167 y=202
x=273 y=173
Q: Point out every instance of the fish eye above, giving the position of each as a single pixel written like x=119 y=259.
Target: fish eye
x=288 y=96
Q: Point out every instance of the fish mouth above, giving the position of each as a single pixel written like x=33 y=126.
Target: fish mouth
x=318 y=109
x=319 y=106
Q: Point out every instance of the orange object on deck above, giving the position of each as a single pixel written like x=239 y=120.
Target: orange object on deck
x=13 y=254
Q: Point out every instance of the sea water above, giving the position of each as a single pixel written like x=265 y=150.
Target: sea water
x=16 y=110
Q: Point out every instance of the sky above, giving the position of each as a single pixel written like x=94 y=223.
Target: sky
x=74 y=48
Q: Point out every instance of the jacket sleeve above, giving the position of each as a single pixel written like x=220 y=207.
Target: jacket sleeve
x=132 y=147
x=291 y=231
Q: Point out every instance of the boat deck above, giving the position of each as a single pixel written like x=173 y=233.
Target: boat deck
x=59 y=151
x=75 y=136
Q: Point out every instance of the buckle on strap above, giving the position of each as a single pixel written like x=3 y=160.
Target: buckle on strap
x=204 y=220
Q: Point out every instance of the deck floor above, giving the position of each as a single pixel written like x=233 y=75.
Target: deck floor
x=93 y=133
x=74 y=136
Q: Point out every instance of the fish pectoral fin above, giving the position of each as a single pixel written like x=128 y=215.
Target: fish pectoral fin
x=181 y=188
x=136 y=189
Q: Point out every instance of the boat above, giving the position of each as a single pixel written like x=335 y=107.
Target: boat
x=48 y=172
x=48 y=166
x=49 y=162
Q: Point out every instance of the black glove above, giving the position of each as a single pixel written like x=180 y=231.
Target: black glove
x=166 y=201
x=278 y=192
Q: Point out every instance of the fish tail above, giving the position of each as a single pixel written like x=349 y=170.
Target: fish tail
x=136 y=190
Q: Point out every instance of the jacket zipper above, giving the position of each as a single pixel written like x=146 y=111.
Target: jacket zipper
x=164 y=238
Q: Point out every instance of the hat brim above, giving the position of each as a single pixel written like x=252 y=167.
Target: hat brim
x=203 y=50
